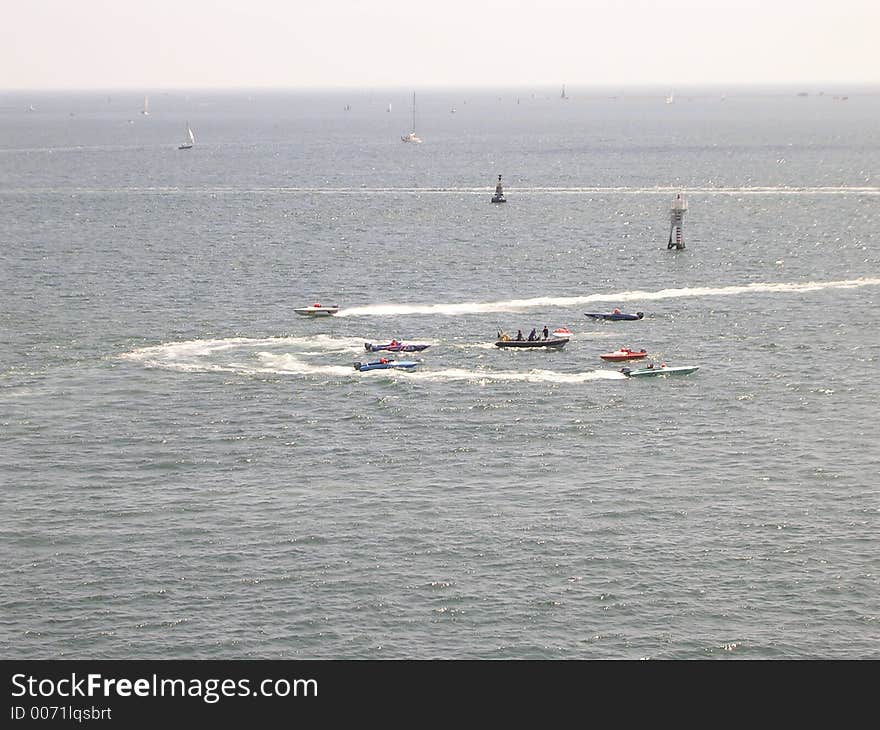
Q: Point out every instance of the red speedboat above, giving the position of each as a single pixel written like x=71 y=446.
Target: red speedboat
x=623 y=354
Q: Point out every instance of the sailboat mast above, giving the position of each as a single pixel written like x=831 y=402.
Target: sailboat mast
x=414 y=112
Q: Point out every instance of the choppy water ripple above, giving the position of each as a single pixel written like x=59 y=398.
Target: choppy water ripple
x=189 y=470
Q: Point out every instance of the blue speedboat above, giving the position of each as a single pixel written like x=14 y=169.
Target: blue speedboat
x=614 y=315
x=395 y=346
x=384 y=364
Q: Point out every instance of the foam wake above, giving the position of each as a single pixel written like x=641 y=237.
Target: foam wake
x=515 y=305
x=531 y=376
x=296 y=356
x=245 y=355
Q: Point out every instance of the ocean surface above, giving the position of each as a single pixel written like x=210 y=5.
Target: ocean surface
x=191 y=470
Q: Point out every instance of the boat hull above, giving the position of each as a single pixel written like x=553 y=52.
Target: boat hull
x=624 y=355
x=316 y=311
x=614 y=316
x=370 y=347
x=549 y=343
x=654 y=372
x=390 y=365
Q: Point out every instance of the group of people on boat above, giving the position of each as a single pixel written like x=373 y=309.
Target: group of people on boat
x=533 y=335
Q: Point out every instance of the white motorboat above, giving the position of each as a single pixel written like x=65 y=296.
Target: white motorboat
x=317 y=310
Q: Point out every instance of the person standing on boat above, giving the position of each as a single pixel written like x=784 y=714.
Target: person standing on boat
x=533 y=335
x=519 y=334
x=546 y=332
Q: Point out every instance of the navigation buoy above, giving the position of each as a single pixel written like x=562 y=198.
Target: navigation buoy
x=499 y=193
x=676 y=224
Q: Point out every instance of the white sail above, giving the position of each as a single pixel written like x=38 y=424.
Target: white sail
x=190 y=139
x=412 y=136
x=146 y=110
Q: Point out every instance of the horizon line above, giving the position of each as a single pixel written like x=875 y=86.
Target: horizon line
x=603 y=86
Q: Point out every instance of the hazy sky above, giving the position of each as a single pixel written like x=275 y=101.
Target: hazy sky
x=155 y=44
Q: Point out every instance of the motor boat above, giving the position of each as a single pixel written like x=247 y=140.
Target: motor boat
x=615 y=314
x=317 y=310
x=654 y=371
x=395 y=346
x=384 y=364
x=623 y=354
x=550 y=342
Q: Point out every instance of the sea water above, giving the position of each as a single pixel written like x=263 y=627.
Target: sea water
x=191 y=470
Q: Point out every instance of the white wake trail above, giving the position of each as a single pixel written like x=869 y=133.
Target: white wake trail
x=531 y=376
x=514 y=305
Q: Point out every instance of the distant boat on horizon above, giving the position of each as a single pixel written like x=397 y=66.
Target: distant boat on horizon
x=191 y=140
x=146 y=109
x=563 y=93
x=412 y=136
x=671 y=98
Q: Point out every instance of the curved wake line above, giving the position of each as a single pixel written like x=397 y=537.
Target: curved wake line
x=193 y=356
x=443 y=190
x=513 y=305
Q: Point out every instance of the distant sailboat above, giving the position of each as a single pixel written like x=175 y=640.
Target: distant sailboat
x=146 y=110
x=412 y=136
x=563 y=93
x=389 y=109
x=671 y=98
x=191 y=140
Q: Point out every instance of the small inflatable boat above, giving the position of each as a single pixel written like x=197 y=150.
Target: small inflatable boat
x=548 y=343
